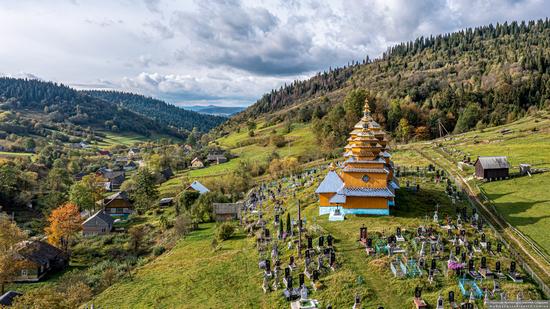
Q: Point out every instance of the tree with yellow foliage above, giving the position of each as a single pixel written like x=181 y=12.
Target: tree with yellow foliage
x=65 y=222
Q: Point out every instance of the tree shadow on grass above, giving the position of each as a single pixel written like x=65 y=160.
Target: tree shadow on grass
x=512 y=211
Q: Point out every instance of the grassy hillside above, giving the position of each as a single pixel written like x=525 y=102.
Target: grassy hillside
x=194 y=275
x=300 y=142
x=521 y=201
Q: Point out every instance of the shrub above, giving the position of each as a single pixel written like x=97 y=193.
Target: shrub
x=159 y=250
x=225 y=231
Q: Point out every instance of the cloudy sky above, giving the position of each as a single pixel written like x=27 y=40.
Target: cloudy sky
x=220 y=52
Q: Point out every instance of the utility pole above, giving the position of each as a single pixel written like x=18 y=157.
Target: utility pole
x=299 y=231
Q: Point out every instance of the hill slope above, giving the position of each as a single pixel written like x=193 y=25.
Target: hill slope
x=478 y=77
x=50 y=104
x=159 y=110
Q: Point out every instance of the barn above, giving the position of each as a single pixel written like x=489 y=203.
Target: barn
x=492 y=168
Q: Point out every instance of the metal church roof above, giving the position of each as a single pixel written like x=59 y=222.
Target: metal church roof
x=330 y=184
x=373 y=192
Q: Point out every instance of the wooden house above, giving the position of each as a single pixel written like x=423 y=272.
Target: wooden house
x=216 y=159
x=492 y=168
x=112 y=179
x=167 y=173
x=197 y=163
x=99 y=223
x=166 y=202
x=118 y=204
x=227 y=211
x=37 y=259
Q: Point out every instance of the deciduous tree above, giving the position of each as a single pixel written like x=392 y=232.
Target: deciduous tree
x=64 y=223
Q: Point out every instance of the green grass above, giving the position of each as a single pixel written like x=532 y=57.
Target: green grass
x=525 y=203
x=127 y=138
x=301 y=142
x=15 y=154
x=193 y=275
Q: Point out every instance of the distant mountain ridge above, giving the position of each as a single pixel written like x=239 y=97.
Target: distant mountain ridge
x=215 y=109
x=159 y=110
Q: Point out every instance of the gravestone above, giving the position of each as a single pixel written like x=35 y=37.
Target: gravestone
x=287 y=272
x=398 y=232
x=309 y=243
x=512 y=267
x=267 y=266
x=499 y=247
x=457 y=250
x=363 y=233
x=291 y=262
x=483 y=238
x=433 y=265
x=369 y=242
x=321 y=241
x=497 y=267
x=483 y=262
x=315 y=275
x=417 y=292
x=470 y=265
x=301 y=279
x=451 y=297
x=463 y=257
x=329 y=240
x=489 y=246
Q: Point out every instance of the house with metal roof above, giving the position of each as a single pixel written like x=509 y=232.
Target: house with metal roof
x=199 y=187
x=492 y=168
x=99 y=223
x=7 y=299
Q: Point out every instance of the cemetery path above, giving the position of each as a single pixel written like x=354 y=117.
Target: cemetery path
x=355 y=259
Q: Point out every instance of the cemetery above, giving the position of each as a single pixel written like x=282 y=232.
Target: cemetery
x=442 y=249
x=432 y=248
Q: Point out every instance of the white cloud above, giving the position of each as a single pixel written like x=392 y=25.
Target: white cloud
x=228 y=51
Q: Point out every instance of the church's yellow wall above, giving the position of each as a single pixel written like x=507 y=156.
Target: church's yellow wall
x=366 y=202
x=376 y=180
x=324 y=198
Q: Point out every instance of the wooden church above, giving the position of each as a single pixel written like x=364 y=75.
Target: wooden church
x=364 y=184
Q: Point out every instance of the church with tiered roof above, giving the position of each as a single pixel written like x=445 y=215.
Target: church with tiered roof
x=364 y=184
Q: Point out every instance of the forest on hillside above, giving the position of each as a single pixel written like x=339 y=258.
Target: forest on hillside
x=49 y=104
x=474 y=78
x=159 y=110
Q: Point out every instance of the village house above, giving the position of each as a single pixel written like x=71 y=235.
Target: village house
x=197 y=163
x=104 y=153
x=492 y=168
x=130 y=166
x=111 y=179
x=38 y=258
x=118 y=204
x=134 y=152
x=227 y=211
x=7 y=299
x=167 y=173
x=216 y=159
x=198 y=187
x=99 y=223
x=166 y=201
